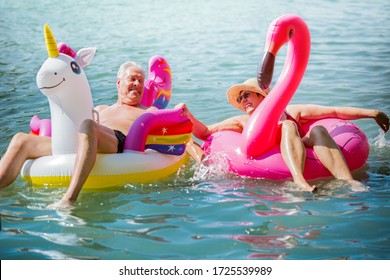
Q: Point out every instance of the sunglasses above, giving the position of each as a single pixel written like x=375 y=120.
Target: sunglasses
x=244 y=95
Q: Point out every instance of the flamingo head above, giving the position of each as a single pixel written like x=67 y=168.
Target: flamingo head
x=282 y=30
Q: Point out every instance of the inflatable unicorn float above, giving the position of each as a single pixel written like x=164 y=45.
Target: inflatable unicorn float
x=255 y=152
x=154 y=147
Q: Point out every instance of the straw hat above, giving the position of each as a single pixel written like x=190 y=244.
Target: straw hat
x=250 y=85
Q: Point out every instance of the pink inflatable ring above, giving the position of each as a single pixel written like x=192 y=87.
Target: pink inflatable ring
x=255 y=152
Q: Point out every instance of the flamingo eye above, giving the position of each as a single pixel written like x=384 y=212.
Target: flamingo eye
x=291 y=33
x=75 y=67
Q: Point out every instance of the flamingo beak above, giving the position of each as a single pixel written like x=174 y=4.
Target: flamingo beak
x=266 y=70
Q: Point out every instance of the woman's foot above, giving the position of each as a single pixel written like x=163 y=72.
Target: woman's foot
x=357 y=186
x=306 y=186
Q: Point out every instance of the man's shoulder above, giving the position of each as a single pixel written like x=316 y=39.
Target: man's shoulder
x=100 y=108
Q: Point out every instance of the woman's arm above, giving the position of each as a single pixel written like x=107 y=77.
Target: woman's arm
x=202 y=131
x=313 y=112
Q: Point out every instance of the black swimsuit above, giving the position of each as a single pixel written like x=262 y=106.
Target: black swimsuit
x=121 y=140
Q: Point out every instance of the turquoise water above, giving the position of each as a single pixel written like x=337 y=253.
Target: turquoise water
x=195 y=214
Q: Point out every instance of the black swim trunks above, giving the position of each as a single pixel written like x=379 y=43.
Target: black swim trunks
x=121 y=140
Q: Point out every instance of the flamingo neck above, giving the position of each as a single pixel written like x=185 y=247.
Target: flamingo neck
x=261 y=132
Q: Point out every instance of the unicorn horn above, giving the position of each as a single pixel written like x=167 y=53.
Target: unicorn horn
x=51 y=44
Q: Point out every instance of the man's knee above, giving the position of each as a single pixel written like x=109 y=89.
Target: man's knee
x=87 y=126
x=20 y=140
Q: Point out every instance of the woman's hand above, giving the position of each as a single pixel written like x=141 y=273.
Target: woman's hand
x=382 y=120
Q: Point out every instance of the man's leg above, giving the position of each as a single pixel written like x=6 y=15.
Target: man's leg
x=294 y=154
x=93 y=138
x=22 y=147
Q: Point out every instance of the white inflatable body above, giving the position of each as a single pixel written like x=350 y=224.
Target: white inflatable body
x=62 y=79
x=109 y=170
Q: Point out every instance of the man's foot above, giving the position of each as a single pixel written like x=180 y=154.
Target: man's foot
x=62 y=204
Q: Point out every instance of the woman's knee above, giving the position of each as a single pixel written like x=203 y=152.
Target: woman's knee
x=319 y=132
x=289 y=127
x=319 y=135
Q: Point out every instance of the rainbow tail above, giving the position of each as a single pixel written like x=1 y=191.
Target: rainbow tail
x=165 y=131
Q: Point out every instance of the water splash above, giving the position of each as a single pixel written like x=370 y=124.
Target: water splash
x=211 y=167
x=379 y=158
x=380 y=141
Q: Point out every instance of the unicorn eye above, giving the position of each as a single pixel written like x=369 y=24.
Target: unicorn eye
x=75 y=67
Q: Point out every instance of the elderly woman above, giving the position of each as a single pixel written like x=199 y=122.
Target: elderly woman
x=247 y=96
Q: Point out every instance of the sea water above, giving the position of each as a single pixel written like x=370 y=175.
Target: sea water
x=200 y=213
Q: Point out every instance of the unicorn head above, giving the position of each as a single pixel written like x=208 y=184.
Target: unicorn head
x=63 y=81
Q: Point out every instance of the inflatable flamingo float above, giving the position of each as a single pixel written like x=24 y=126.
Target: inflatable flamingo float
x=156 y=141
x=255 y=152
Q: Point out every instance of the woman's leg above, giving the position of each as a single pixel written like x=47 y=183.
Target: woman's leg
x=294 y=153
x=195 y=151
x=330 y=156
x=328 y=152
x=22 y=147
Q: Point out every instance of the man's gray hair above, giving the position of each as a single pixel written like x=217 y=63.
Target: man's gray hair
x=128 y=64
